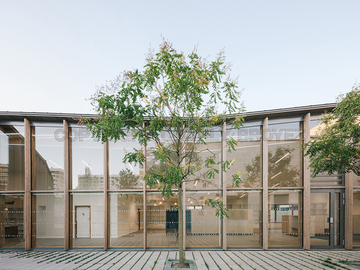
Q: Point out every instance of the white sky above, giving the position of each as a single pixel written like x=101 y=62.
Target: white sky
x=286 y=53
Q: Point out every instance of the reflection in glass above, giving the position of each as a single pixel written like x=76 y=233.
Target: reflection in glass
x=123 y=175
x=246 y=158
x=319 y=219
x=49 y=151
x=126 y=220
x=356 y=180
x=244 y=224
x=285 y=159
x=356 y=218
x=162 y=220
x=12 y=159
x=87 y=220
x=48 y=220
x=203 y=228
x=87 y=161
x=285 y=218
x=12 y=221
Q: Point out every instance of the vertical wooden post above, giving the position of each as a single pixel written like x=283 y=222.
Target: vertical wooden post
x=106 y=204
x=184 y=215
x=28 y=174
x=67 y=172
x=33 y=186
x=349 y=201
x=306 y=183
x=144 y=200
x=265 y=181
x=223 y=178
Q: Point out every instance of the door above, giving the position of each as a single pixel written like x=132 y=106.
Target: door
x=327 y=218
x=82 y=222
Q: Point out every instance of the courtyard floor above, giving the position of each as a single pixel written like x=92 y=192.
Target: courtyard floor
x=205 y=260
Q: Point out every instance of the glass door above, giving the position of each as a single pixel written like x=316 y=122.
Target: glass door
x=327 y=218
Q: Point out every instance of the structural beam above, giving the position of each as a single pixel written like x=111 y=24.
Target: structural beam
x=307 y=184
x=106 y=201
x=28 y=174
x=265 y=176
x=349 y=201
x=223 y=178
x=144 y=199
x=67 y=145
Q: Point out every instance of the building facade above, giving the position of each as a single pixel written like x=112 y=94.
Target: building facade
x=60 y=188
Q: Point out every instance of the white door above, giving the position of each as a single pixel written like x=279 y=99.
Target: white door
x=83 y=221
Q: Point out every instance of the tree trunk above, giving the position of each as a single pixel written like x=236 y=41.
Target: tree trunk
x=180 y=228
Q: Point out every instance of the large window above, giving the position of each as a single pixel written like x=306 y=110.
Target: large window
x=12 y=221
x=12 y=159
x=49 y=158
x=203 y=228
x=162 y=220
x=87 y=161
x=48 y=220
x=247 y=157
x=285 y=158
x=244 y=224
x=285 y=218
x=126 y=220
x=87 y=219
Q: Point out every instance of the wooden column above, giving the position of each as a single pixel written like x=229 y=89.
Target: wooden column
x=144 y=201
x=265 y=181
x=349 y=201
x=28 y=174
x=106 y=201
x=306 y=183
x=33 y=185
x=223 y=178
x=67 y=172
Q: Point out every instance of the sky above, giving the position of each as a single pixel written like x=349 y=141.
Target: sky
x=53 y=54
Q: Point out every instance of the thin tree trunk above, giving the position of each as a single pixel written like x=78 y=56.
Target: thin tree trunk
x=180 y=229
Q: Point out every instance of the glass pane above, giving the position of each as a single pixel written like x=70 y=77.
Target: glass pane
x=12 y=221
x=48 y=220
x=87 y=220
x=337 y=220
x=244 y=224
x=356 y=180
x=203 y=228
x=201 y=153
x=12 y=158
x=285 y=157
x=246 y=158
x=162 y=220
x=319 y=219
x=123 y=175
x=356 y=218
x=126 y=220
x=87 y=161
x=285 y=218
x=49 y=144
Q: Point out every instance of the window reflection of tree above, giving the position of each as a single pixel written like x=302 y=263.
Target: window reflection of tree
x=126 y=180
x=281 y=172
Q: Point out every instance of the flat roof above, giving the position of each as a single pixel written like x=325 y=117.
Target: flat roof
x=254 y=115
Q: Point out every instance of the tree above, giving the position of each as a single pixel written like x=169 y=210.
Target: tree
x=179 y=96
x=336 y=147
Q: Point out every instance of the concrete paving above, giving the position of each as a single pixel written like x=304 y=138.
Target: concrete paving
x=154 y=260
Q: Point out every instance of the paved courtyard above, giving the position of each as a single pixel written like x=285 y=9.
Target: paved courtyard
x=205 y=260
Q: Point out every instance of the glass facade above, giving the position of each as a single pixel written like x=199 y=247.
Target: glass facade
x=126 y=215
x=132 y=215
x=244 y=225
x=12 y=221
x=12 y=157
x=285 y=218
x=48 y=220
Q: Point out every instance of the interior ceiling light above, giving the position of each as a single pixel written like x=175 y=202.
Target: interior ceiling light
x=275 y=175
x=282 y=157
